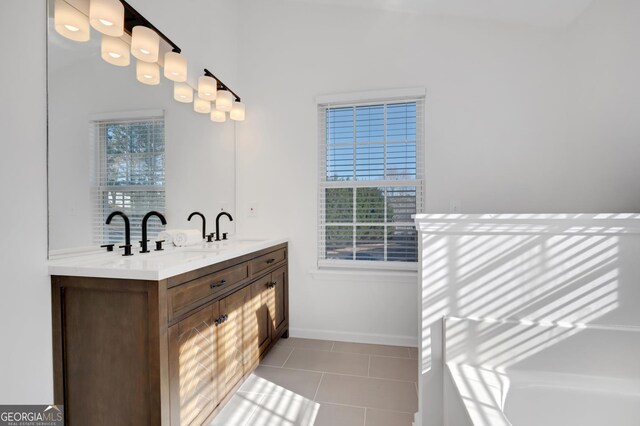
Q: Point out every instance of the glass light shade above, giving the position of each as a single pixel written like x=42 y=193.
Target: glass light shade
x=71 y=23
x=207 y=88
x=107 y=16
x=115 y=51
x=147 y=72
x=218 y=116
x=145 y=44
x=237 y=111
x=175 y=66
x=182 y=92
x=224 y=100
x=200 y=105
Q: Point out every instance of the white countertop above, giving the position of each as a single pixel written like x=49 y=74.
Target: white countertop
x=157 y=265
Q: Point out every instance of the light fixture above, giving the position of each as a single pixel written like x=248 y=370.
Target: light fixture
x=237 y=111
x=175 y=66
x=107 y=16
x=115 y=51
x=224 y=100
x=182 y=92
x=70 y=22
x=200 y=105
x=207 y=88
x=145 y=44
x=147 y=72
x=218 y=116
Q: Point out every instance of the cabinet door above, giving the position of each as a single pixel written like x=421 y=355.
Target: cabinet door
x=257 y=331
x=231 y=343
x=192 y=367
x=277 y=300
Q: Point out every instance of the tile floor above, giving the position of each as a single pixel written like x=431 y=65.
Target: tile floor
x=321 y=383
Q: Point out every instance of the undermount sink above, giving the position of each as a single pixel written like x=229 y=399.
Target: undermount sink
x=151 y=259
x=226 y=244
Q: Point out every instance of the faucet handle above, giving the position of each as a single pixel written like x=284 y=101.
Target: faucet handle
x=159 y=245
x=143 y=246
x=210 y=237
x=109 y=247
x=127 y=250
x=224 y=235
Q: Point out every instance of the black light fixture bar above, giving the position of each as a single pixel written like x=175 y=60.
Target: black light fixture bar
x=221 y=85
x=133 y=18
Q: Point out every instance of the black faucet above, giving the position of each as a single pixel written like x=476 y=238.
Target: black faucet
x=127 y=231
x=218 y=225
x=204 y=222
x=143 y=243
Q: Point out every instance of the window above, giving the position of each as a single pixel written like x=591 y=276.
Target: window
x=370 y=183
x=130 y=174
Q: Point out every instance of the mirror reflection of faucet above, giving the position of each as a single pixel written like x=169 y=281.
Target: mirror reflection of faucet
x=224 y=235
x=204 y=223
x=145 y=219
x=127 y=232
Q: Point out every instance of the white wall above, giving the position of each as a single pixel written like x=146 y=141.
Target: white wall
x=25 y=313
x=604 y=105
x=495 y=111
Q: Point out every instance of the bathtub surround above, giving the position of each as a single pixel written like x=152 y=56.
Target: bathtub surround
x=566 y=271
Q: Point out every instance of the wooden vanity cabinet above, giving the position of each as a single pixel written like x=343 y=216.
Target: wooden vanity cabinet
x=165 y=352
x=193 y=366
x=231 y=343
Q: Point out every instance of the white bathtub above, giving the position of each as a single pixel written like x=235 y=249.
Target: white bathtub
x=553 y=399
x=591 y=377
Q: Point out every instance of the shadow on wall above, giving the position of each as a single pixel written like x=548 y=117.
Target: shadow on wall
x=559 y=272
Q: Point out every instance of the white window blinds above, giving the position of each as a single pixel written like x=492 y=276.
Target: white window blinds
x=129 y=175
x=370 y=183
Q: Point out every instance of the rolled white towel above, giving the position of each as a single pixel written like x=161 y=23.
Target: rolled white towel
x=187 y=237
x=168 y=235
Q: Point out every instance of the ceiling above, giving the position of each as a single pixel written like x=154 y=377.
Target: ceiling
x=548 y=13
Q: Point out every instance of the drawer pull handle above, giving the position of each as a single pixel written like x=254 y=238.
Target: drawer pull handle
x=270 y=261
x=271 y=284
x=218 y=284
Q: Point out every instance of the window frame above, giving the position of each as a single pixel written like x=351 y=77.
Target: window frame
x=100 y=189
x=324 y=103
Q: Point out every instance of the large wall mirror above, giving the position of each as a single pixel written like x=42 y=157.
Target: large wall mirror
x=117 y=144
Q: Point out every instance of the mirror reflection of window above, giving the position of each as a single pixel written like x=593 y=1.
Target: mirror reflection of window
x=129 y=154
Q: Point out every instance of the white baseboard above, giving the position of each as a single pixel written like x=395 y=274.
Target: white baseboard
x=342 y=336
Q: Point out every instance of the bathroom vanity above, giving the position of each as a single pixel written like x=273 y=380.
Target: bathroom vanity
x=164 y=338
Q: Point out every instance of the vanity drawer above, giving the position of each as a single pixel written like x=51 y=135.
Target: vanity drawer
x=263 y=262
x=193 y=293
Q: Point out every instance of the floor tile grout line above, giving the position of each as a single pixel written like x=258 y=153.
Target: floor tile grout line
x=318 y=388
x=366 y=408
x=352 y=353
x=343 y=374
x=289 y=356
x=333 y=345
x=255 y=407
